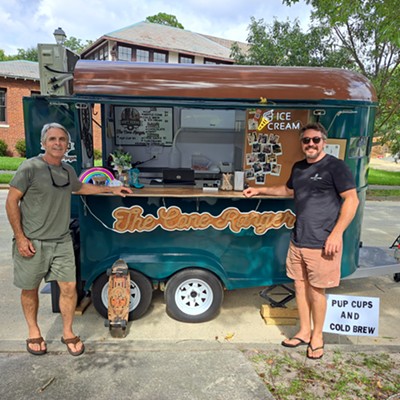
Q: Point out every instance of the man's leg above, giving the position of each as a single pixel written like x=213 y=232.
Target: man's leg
x=304 y=308
x=68 y=300
x=318 y=313
x=30 y=307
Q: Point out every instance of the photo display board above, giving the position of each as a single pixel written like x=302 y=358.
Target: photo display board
x=143 y=125
x=272 y=145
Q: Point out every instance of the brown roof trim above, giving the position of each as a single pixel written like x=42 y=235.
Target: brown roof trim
x=220 y=81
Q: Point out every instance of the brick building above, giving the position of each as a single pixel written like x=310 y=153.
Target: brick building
x=18 y=79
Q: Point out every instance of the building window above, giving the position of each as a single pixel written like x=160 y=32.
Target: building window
x=186 y=59
x=2 y=105
x=99 y=54
x=124 y=53
x=142 y=55
x=159 y=57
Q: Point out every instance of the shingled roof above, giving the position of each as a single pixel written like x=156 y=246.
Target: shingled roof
x=20 y=69
x=164 y=37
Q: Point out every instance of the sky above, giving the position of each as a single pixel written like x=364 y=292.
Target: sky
x=25 y=23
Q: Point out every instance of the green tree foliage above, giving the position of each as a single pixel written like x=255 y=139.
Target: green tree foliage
x=76 y=45
x=284 y=44
x=165 y=19
x=30 y=54
x=369 y=31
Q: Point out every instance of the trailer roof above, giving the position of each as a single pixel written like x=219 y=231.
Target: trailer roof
x=198 y=81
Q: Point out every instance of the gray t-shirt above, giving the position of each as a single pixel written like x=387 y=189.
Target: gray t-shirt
x=45 y=208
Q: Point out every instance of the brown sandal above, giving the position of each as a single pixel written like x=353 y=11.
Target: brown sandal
x=312 y=352
x=39 y=341
x=73 y=340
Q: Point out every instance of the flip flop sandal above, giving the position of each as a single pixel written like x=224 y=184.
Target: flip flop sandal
x=38 y=340
x=301 y=342
x=73 y=340
x=312 y=350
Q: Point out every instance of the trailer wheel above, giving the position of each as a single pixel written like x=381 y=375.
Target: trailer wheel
x=141 y=295
x=396 y=277
x=193 y=295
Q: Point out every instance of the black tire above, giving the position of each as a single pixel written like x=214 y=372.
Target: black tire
x=141 y=295
x=396 y=277
x=193 y=295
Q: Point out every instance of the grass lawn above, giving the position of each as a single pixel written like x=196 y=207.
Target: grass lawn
x=379 y=177
x=10 y=163
x=5 y=178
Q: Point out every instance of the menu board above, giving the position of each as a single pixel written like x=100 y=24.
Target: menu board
x=272 y=145
x=143 y=125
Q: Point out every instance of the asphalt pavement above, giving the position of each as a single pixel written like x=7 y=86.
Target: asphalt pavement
x=164 y=359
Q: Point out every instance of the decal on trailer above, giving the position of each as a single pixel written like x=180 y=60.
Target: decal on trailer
x=173 y=219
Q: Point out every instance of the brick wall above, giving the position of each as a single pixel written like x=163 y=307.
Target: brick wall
x=13 y=129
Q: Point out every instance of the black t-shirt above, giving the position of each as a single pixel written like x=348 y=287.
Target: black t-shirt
x=317 y=189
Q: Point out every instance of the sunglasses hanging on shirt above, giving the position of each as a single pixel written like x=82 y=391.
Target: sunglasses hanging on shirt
x=52 y=179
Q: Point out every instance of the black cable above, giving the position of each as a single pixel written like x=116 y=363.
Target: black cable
x=58 y=72
x=142 y=162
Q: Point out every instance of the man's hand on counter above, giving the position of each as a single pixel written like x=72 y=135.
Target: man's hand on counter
x=121 y=190
x=88 y=188
x=251 y=191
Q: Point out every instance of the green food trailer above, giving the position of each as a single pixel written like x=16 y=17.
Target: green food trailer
x=196 y=135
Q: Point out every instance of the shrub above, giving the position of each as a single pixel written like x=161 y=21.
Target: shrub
x=3 y=148
x=97 y=154
x=20 y=146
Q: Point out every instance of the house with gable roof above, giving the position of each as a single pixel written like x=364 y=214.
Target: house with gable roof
x=149 y=42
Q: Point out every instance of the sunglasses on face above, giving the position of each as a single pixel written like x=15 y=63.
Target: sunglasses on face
x=52 y=179
x=306 y=140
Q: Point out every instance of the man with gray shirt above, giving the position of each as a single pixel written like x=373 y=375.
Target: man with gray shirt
x=38 y=207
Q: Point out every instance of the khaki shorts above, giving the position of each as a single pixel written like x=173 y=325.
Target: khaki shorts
x=312 y=265
x=52 y=261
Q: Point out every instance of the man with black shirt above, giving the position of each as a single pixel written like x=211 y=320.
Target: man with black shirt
x=325 y=204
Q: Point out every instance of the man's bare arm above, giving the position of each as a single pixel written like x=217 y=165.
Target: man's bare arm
x=24 y=245
x=281 y=190
x=334 y=242
x=88 y=188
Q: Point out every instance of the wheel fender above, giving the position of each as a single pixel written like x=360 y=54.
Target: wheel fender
x=161 y=266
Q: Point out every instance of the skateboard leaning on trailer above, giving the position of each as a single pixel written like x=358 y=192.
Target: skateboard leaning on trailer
x=119 y=295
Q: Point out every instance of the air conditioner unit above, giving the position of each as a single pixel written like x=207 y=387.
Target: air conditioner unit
x=56 y=65
x=207 y=119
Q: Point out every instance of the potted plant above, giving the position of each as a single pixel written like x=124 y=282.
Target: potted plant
x=121 y=161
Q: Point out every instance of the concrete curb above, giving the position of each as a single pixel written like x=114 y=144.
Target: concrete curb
x=129 y=345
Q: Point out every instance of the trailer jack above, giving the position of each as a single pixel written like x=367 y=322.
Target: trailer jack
x=289 y=295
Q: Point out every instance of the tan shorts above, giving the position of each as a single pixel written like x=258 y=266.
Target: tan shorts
x=312 y=265
x=52 y=261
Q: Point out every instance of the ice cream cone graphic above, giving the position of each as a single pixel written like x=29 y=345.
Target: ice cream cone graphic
x=266 y=118
x=262 y=124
